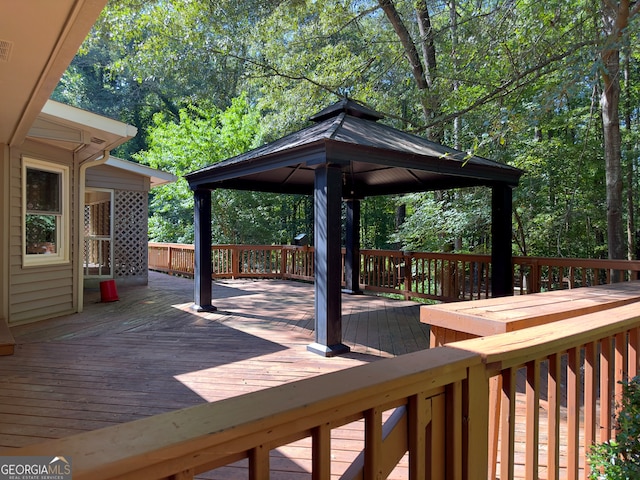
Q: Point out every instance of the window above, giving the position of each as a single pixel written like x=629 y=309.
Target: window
x=45 y=200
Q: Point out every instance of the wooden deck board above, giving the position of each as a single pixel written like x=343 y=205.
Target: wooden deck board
x=148 y=353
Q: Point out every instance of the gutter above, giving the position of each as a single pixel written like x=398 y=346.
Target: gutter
x=89 y=163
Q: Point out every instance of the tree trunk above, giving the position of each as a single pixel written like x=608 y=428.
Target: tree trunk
x=613 y=170
x=615 y=19
x=631 y=223
x=453 y=21
x=423 y=70
x=410 y=52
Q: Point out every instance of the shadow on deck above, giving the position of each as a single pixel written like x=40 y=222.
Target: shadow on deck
x=149 y=353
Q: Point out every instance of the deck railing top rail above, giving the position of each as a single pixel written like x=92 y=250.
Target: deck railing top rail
x=182 y=443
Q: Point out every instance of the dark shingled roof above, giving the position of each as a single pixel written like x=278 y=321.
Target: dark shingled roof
x=376 y=160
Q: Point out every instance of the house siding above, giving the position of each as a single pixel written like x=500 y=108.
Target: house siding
x=38 y=292
x=5 y=192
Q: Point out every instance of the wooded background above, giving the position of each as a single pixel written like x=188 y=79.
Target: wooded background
x=550 y=87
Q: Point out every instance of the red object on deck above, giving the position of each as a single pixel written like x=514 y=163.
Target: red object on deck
x=108 y=292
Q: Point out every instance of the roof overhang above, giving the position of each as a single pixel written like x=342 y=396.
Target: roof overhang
x=156 y=177
x=367 y=171
x=375 y=159
x=39 y=38
x=85 y=133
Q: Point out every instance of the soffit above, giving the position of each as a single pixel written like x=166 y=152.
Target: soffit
x=38 y=40
x=77 y=130
x=156 y=177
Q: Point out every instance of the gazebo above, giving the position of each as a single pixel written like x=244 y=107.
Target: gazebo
x=347 y=155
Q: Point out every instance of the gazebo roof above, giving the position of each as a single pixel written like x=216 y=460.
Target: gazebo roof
x=375 y=159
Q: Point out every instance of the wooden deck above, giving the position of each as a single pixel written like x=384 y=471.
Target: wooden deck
x=149 y=353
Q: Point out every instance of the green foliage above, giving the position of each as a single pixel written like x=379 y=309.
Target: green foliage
x=377 y=223
x=511 y=81
x=619 y=458
x=436 y=222
x=201 y=137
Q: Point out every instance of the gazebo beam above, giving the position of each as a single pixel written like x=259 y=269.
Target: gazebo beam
x=501 y=233
x=202 y=253
x=328 y=268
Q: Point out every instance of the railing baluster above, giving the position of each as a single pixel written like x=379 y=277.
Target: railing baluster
x=606 y=390
x=186 y=475
x=507 y=423
x=436 y=439
x=553 y=416
x=373 y=444
x=573 y=411
x=259 y=463
x=634 y=350
x=419 y=414
x=532 y=419
x=590 y=397
x=620 y=367
x=454 y=430
x=495 y=400
x=321 y=453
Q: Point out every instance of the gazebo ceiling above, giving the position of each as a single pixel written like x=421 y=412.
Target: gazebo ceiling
x=375 y=159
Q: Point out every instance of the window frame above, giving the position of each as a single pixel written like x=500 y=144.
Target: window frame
x=63 y=236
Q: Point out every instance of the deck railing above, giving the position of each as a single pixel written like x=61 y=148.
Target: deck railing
x=454 y=409
x=438 y=276
x=566 y=376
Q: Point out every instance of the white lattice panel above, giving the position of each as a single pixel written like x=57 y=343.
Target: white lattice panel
x=130 y=234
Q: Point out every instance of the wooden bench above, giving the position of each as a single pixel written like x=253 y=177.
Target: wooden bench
x=7 y=343
x=453 y=322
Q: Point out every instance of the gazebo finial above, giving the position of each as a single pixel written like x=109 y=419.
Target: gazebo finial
x=348 y=106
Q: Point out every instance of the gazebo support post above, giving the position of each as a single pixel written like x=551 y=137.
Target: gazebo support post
x=328 y=301
x=501 y=233
x=352 y=248
x=202 y=247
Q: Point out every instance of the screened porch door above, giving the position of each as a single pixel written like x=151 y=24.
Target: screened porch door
x=98 y=233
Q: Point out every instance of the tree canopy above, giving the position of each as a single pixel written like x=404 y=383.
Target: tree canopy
x=550 y=87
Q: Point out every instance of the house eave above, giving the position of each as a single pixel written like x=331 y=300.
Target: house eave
x=44 y=40
x=85 y=133
x=156 y=177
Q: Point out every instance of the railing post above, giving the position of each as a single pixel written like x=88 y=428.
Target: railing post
x=235 y=261
x=536 y=281
x=283 y=262
x=408 y=274
x=170 y=260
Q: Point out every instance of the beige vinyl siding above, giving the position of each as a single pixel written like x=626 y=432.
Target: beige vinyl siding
x=38 y=292
x=106 y=176
x=5 y=192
